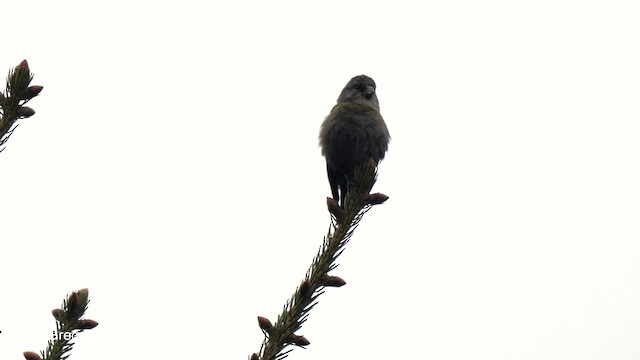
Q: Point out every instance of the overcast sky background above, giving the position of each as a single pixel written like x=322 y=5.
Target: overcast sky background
x=172 y=167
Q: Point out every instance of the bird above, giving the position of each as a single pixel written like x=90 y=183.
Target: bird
x=352 y=133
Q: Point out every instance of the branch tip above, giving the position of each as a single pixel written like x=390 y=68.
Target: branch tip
x=83 y=294
x=72 y=304
x=23 y=65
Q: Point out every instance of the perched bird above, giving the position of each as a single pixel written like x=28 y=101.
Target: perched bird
x=352 y=133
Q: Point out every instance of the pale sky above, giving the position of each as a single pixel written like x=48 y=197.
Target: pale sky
x=172 y=167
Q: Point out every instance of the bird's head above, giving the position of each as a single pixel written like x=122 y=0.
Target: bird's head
x=360 y=90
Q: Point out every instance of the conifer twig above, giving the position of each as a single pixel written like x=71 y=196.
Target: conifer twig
x=69 y=323
x=343 y=223
x=12 y=100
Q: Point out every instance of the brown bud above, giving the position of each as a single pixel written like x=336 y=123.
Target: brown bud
x=255 y=356
x=83 y=294
x=30 y=92
x=305 y=288
x=72 y=303
x=25 y=111
x=333 y=281
x=298 y=340
x=334 y=208
x=377 y=198
x=23 y=64
x=86 y=324
x=30 y=355
x=265 y=324
x=301 y=341
x=56 y=313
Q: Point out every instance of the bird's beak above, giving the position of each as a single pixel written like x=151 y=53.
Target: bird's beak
x=369 y=91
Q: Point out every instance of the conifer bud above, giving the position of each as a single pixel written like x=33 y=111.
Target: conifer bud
x=86 y=324
x=72 y=303
x=377 y=198
x=265 y=324
x=56 y=313
x=305 y=288
x=23 y=64
x=334 y=208
x=333 y=281
x=30 y=355
x=30 y=92
x=298 y=340
x=25 y=112
x=83 y=294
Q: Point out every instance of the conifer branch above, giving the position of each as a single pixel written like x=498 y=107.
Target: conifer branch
x=69 y=323
x=12 y=100
x=344 y=221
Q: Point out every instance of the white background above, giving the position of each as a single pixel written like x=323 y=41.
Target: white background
x=172 y=168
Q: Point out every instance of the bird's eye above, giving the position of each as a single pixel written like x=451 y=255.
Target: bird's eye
x=360 y=87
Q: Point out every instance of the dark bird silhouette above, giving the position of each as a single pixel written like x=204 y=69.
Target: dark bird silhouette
x=352 y=133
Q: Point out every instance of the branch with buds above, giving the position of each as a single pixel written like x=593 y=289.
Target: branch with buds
x=69 y=323
x=344 y=220
x=12 y=100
